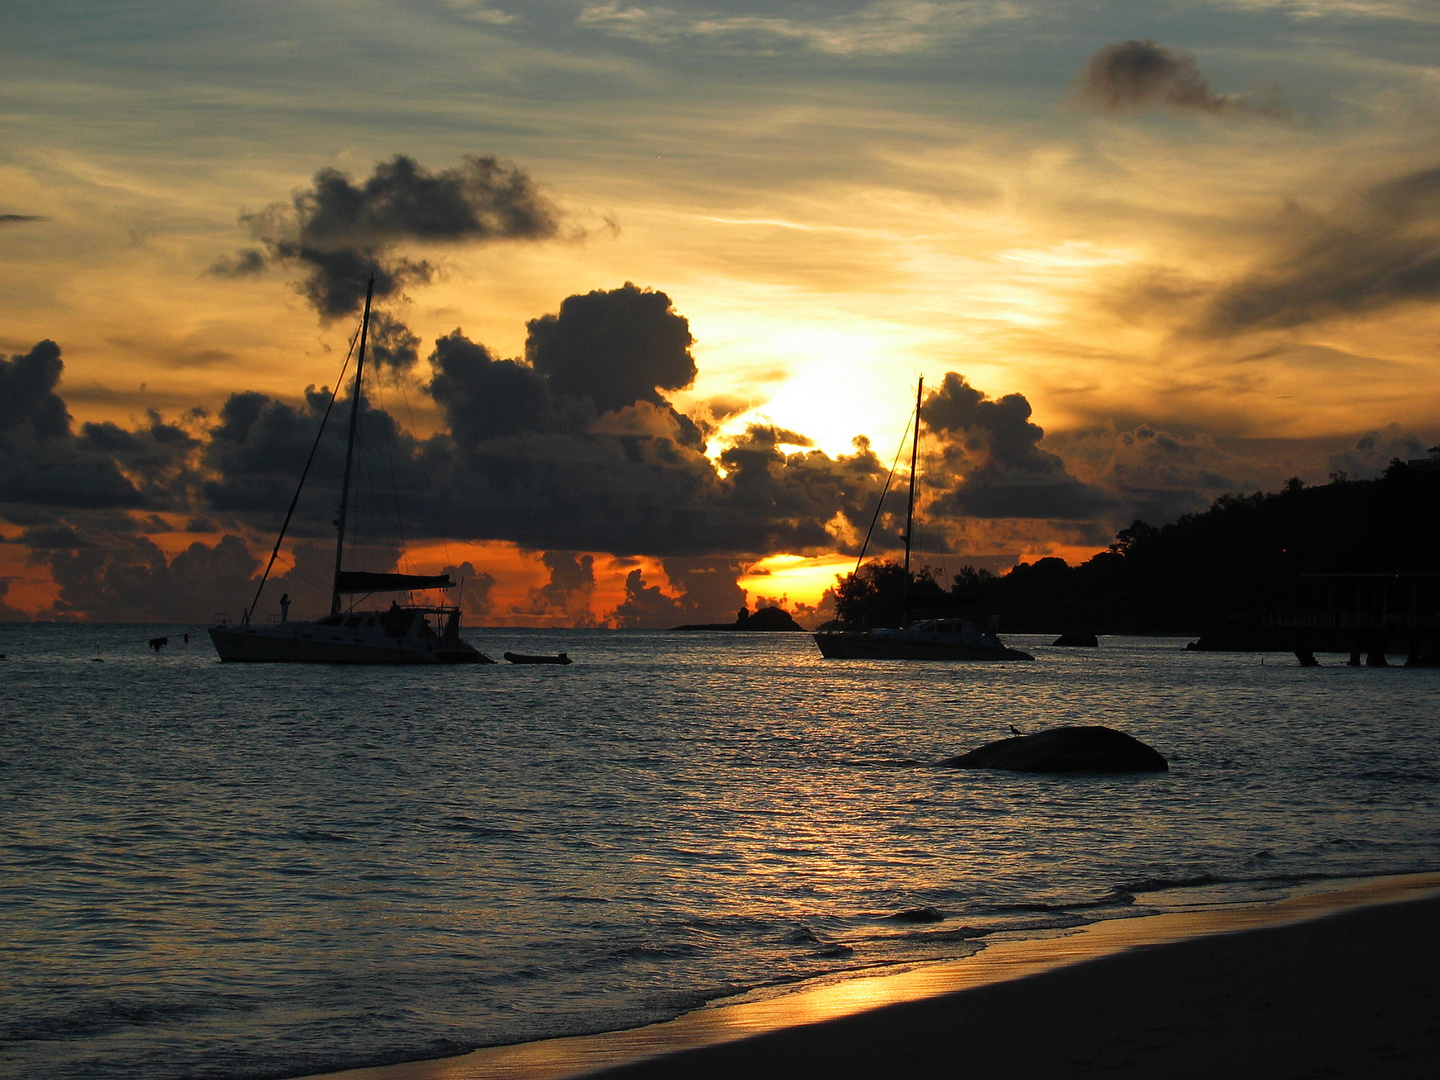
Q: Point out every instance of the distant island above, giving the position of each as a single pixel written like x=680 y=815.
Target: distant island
x=767 y=618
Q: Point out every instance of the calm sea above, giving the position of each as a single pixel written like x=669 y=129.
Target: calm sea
x=212 y=870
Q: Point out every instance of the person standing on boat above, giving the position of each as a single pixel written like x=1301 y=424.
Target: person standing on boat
x=285 y=607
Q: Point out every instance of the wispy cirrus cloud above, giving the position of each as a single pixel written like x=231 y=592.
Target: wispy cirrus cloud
x=1377 y=250
x=884 y=28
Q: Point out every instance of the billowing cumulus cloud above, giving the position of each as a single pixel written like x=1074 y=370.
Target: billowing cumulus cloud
x=137 y=583
x=1376 y=251
x=704 y=591
x=645 y=605
x=1131 y=76
x=474 y=589
x=27 y=393
x=614 y=347
x=530 y=456
x=993 y=449
x=565 y=597
x=341 y=233
x=483 y=397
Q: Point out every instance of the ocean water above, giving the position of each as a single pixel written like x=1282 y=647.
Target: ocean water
x=230 y=871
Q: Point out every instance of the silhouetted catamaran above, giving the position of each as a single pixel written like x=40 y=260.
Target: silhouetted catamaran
x=403 y=634
x=949 y=638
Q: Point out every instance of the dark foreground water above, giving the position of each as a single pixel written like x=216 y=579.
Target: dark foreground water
x=213 y=870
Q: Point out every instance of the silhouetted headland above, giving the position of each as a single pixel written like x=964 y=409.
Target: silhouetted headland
x=767 y=618
x=1353 y=562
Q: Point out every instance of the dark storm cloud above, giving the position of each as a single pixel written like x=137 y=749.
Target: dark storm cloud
x=643 y=494
x=41 y=462
x=529 y=457
x=995 y=448
x=52 y=537
x=614 y=347
x=1380 y=250
x=1130 y=76
x=257 y=450
x=341 y=233
x=392 y=345
x=18 y=219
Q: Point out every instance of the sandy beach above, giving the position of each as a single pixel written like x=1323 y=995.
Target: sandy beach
x=1339 y=983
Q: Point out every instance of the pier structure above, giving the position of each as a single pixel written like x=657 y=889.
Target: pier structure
x=1367 y=615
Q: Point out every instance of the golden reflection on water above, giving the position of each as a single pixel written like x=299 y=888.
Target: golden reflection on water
x=1010 y=958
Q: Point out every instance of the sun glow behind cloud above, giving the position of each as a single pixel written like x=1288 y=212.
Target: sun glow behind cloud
x=795 y=577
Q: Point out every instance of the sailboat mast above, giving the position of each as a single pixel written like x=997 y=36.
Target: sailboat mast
x=910 y=506
x=350 y=449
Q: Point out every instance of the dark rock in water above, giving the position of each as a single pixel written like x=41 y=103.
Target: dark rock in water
x=1240 y=633
x=918 y=915
x=1078 y=639
x=1064 y=750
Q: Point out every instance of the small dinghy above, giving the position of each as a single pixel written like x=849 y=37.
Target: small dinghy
x=521 y=658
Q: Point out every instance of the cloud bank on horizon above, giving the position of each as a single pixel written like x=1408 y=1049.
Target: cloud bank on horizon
x=576 y=448
x=572 y=450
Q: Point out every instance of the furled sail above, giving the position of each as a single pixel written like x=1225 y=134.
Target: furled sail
x=358 y=581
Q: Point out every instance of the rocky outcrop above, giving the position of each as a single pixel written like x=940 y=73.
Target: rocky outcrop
x=767 y=618
x=1065 y=750
x=1077 y=639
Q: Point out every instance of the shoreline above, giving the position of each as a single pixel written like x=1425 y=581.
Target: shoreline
x=788 y=1030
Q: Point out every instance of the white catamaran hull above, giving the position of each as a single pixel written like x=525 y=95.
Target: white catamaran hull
x=401 y=635
x=324 y=642
x=954 y=638
x=862 y=645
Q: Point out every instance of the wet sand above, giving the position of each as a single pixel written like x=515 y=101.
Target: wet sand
x=1344 y=983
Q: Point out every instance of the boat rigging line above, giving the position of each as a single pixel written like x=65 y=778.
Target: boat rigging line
x=334 y=394
x=350 y=445
x=880 y=503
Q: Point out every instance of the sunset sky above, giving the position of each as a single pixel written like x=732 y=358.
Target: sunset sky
x=1197 y=243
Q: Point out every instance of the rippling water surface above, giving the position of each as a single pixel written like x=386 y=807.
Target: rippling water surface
x=212 y=870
